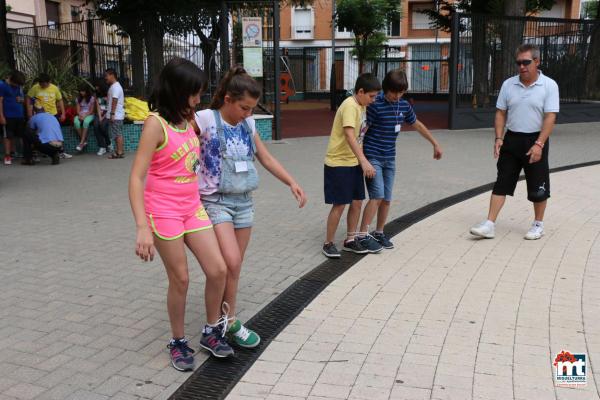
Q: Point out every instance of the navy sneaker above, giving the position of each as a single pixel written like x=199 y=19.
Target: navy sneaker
x=354 y=246
x=383 y=240
x=182 y=358
x=369 y=243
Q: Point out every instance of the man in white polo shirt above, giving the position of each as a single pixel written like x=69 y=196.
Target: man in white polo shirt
x=527 y=106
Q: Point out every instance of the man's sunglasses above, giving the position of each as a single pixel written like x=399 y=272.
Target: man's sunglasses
x=523 y=62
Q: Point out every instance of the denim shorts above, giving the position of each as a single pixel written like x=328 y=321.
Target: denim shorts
x=235 y=208
x=381 y=185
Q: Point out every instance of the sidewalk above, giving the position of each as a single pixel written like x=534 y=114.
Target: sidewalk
x=448 y=316
x=81 y=318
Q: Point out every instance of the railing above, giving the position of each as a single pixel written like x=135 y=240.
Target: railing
x=485 y=55
x=310 y=67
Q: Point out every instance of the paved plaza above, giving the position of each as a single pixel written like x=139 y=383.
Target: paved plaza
x=82 y=318
x=447 y=316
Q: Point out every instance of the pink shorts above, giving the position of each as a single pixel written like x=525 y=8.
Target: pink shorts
x=171 y=228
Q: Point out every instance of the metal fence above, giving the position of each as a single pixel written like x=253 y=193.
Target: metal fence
x=92 y=46
x=485 y=47
x=426 y=67
x=483 y=57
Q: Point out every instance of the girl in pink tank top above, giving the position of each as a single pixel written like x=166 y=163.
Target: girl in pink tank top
x=167 y=208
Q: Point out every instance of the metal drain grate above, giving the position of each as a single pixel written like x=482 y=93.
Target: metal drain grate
x=215 y=378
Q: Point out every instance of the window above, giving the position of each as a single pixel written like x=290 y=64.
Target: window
x=303 y=26
x=52 y=13
x=76 y=13
x=394 y=27
x=557 y=11
x=420 y=20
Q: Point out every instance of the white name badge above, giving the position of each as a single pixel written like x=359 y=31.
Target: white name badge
x=397 y=128
x=241 y=166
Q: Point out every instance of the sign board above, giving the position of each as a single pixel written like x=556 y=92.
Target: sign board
x=253 y=61
x=252 y=31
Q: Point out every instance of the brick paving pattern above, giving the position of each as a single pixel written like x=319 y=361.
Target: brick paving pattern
x=82 y=318
x=447 y=316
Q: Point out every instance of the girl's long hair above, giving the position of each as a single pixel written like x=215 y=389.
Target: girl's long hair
x=236 y=83
x=88 y=93
x=101 y=88
x=178 y=80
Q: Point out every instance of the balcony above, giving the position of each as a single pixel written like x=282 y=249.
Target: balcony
x=303 y=31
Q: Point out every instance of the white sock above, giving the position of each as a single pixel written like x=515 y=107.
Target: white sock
x=539 y=223
x=490 y=223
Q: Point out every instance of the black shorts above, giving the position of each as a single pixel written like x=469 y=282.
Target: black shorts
x=344 y=184
x=513 y=159
x=15 y=127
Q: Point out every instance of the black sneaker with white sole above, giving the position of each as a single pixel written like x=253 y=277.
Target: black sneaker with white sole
x=330 y=251
x=354 y=246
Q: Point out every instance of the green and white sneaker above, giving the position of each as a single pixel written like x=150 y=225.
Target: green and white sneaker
x=243 y=336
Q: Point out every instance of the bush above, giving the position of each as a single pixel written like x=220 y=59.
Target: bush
x=60 y=72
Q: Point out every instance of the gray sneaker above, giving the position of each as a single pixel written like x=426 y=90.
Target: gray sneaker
x=330 y=251
x=369 y=243
x=213 y=340
x=182 y=358
x=354 y=246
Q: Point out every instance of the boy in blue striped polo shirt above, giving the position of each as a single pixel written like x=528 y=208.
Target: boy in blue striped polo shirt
x=385 y=117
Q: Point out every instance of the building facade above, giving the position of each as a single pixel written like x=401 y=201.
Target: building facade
x=28 y=13
x=306 y=36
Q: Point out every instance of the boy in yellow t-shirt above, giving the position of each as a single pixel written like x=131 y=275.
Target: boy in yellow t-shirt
x=46 y=95
x=346 y=165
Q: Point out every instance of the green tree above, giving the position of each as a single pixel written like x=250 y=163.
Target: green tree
x=124 y=14
x=484 y=33
x=147 y=21
x=205 y=18
x=367 y=20
x=590 y=9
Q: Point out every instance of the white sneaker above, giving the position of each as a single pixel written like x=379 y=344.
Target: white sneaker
x=78 y=148
x=484 y=229
x=110 y=148
x=535 y=232
x=101 y=151
x=65 y=155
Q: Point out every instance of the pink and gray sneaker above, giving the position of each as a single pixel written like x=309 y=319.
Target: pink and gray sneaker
x=182 y=356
